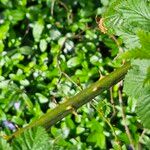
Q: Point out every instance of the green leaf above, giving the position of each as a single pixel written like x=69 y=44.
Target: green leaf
x=136 y=12
x=125 y=18
x=17 y=120
x=144 y=38
x=55 y=132
x=148 y=144
x=144 y=51
x=98 y=138
x=38 y=29
x=143 y=105
x=32 y=139
x=4 y=145
x=15 y=15
x=80 y=130
x=97 y=135
x=135 y=87
x=1 y=45
x=41 y=98
x=73 y=62
x=147 y=80
x=43 y=45
x=95 y=60
x=54 y=34
x=4 y=84
x=4 y=30
x=25 y=50
x=69 y=123
x=27 y=101
x=135 y=78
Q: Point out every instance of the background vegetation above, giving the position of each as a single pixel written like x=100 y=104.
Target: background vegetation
x=51 y=50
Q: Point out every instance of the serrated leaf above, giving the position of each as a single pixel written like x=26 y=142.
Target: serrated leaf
x=135 y=87
x=136 y=12
x=140 y=52
x=4 y=145
x=32 y=139
x=134 y=80
x=131 y=12
x=143 y=107
x=144 y=38
x=148 y=144
x=125 y=18
x=147 y=80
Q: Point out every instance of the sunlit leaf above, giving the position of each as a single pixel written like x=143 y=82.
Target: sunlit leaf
x=38 y=29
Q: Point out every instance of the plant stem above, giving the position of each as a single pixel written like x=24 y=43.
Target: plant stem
x=112 y=103
x=75 y=102
x=124 y=118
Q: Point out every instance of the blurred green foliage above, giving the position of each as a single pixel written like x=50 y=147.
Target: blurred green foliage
x=49 y=50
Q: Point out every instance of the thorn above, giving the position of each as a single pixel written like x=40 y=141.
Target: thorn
x=74 y=112
x=95 y=88
x=101 y=76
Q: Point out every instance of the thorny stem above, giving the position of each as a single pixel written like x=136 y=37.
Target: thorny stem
x=70 y=105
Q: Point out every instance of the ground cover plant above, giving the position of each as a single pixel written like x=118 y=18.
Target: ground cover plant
x=51 y=50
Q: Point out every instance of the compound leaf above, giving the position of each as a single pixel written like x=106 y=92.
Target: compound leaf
x=144 y=51
x=4 y=145
x=135 y=87
x=125 y=18
x=32 y=139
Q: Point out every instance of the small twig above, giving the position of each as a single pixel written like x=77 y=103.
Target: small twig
x=112 y=103
x=124 y=117
x=117 y=43
x=141 y=139
x=69 y=14
x=79 y=83
x=143 y=133
x=55 y=140
x=100 y=112
x=26 y=31
x=52 y=7
x=60 y=70
x=79 y=35
x=64 y=5
x=71 y=80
